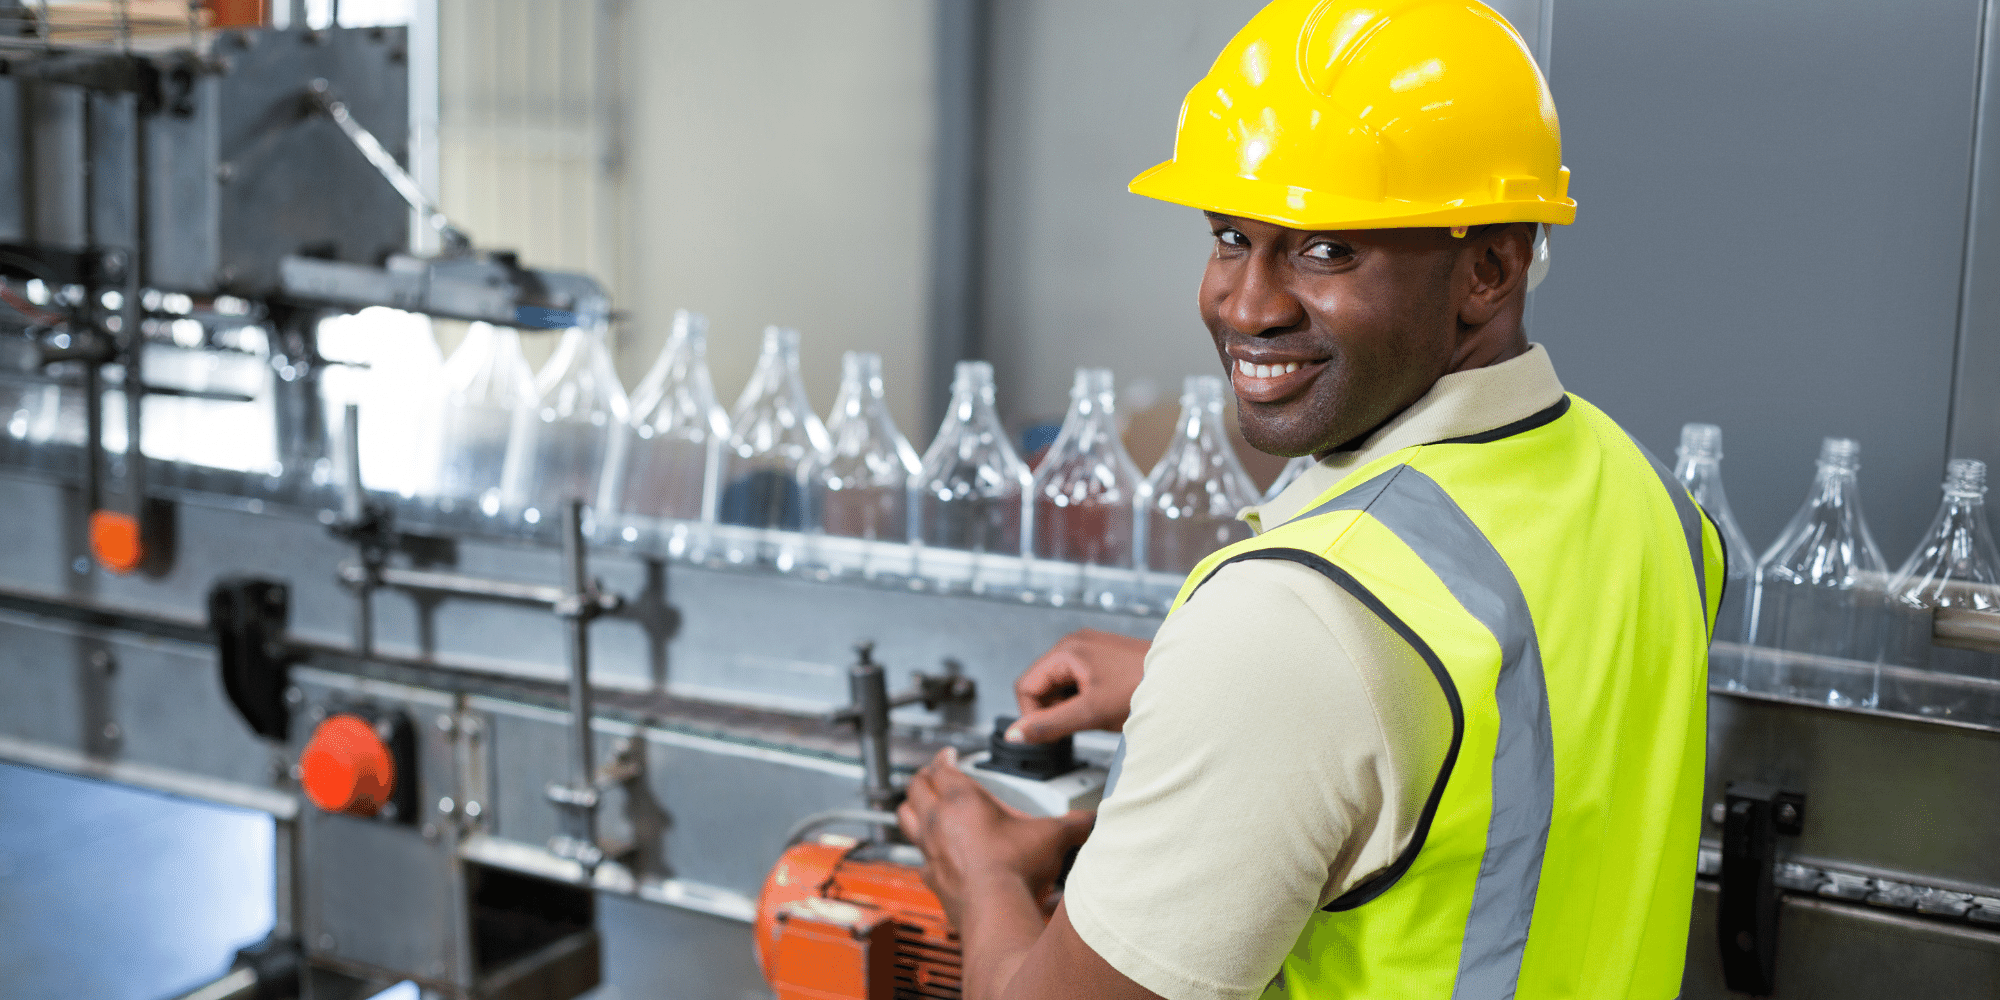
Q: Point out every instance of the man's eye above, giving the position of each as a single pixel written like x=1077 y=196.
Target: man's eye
x=1231 y=238
x=1328 y=251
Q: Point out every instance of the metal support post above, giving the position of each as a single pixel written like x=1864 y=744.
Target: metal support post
x=362 y=525
x=869 y=688
x=576 y=621
x=582 y=601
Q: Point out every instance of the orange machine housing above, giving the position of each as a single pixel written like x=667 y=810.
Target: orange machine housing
x=839 y=921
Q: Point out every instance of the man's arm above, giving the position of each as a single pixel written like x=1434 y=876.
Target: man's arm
x=1279 y=750
x=994 y=870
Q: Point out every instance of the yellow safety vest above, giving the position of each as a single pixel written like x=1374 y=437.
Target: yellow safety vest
x=1561 y=585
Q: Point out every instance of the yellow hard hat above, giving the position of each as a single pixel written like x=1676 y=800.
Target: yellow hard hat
x=1370 y=114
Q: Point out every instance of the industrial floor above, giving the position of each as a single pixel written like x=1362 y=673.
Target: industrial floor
x=110 y=893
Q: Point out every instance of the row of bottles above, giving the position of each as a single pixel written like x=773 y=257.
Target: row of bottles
x=770 y=483
x=1851 y=633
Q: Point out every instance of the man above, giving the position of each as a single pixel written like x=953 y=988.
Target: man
x=1437 y=730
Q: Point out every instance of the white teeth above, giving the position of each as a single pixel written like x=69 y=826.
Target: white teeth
x=1267 y=371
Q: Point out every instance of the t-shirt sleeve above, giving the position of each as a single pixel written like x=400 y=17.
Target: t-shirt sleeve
x=1279 y=751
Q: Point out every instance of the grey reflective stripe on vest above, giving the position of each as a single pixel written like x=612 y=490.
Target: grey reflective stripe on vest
x=1419 y=512
x=1691 y=517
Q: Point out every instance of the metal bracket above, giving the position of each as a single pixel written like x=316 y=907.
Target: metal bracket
x=579 y=803
x=248 y=618
x=1746 y=923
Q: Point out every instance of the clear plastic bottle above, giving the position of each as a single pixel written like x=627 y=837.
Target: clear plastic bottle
x=661 y=473
x=773 y=431
x=1288 y=475
x=556 y=453
x=971 y=494
x=1197 y=488
x=1819 y=592
x=1700 y=470
x=1087 y=498
x=1955 y=567
x=486 y=382
x=858 y=492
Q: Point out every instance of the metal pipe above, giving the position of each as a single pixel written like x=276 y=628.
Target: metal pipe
x=869 y=688
x=353 y=508
x=462 y=585
x=93 y=438
x=576 y=622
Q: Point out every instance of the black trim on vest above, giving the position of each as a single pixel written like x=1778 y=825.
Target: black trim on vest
x=1380 y=882
x=1522 y=426
x=1722 y=594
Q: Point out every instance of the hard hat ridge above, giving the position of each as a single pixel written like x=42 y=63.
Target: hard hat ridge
x=1349 y=114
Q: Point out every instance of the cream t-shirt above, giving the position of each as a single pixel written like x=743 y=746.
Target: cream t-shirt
x=1281 y=745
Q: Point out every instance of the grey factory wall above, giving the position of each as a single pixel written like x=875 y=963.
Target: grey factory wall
x=781 y=173
x=1083 y=96
x=1772 y=213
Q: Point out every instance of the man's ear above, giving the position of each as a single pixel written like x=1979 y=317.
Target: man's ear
x=1500 y=259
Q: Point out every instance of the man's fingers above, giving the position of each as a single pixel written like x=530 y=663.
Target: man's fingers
x=1043 y=725
x=907 y=818
x=1051 y=678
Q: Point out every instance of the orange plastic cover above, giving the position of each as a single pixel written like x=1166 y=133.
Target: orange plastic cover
x=825 y=920
x=346 y=768
x=114 y=540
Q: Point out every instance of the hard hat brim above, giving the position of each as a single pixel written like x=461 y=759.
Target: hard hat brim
x=1302 y=208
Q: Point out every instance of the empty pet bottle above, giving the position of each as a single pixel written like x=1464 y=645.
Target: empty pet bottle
x=1198 y=487
x=858 y=492
x=1819 y=592
x=1700 y=470
x=971 y=494
x=1087 y=495
x=773 y=431
x=486 y=381
x=1288 y=475
x=1954 y=569
x=661 y=473
x=558 y=445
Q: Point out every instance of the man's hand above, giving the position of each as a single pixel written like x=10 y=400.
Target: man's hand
x=973 y=843
x=1085 y=682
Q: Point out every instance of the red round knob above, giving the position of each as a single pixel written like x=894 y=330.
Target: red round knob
x=346 y=768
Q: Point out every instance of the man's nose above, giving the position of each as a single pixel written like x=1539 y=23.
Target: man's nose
x=1259 y=303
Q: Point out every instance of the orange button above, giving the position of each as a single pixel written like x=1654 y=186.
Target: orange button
x=346 y=768
x=114 y=539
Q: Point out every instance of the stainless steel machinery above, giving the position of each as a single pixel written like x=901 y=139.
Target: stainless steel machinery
x=471 y=737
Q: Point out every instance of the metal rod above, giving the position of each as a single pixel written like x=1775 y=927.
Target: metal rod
x=576 y=585
x=471 y=586
x=353 y=509
x=93 y=438
x=869 y=688
x=455 y=240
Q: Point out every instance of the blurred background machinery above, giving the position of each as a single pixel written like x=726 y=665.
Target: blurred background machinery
x=291 y=461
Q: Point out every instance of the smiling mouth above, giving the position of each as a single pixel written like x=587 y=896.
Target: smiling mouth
x=1274 y=382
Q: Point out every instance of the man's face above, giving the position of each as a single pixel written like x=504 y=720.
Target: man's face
x=1325 y=335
